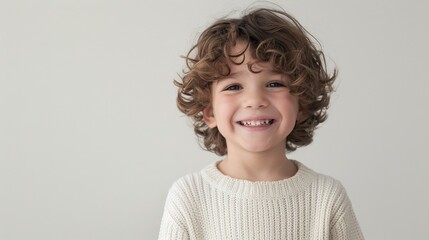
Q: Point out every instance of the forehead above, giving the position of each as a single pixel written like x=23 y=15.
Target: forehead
x=241 y=57
x=252 y=67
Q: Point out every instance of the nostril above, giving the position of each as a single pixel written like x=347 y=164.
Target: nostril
x=255 y=100
x=257 y=106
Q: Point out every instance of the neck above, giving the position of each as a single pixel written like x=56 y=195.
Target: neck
x=264 y=166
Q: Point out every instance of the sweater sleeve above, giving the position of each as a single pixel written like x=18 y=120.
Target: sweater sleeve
x=173 y=223
x=345 y=226
x=170 y=230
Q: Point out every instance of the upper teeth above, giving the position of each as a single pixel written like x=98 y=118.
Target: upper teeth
x=256 y=123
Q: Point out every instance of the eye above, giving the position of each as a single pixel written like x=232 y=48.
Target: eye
x=233 y=87
x=275 y=84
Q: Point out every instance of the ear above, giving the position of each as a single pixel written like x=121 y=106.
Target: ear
x=209 y=117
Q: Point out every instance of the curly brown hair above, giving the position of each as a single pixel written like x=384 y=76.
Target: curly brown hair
x=275 y=37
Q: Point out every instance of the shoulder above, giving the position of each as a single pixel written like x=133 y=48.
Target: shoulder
x=328 y=190
x=328 y=184
x=333 y=196
x=186 y=184
x=179 y=208
x=186 y=190
x=335 y=202
x=323 y=183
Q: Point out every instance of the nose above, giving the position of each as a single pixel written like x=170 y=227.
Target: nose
x=255 y=99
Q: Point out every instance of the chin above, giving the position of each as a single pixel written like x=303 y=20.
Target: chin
x=257 y=149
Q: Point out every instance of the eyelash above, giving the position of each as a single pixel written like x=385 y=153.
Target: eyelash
x=230 y=87
x=277 y=84
x=236 y=87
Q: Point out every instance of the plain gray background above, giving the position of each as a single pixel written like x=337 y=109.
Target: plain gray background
x=90 y=138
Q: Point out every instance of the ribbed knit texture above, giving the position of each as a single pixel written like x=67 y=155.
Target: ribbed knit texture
x=210 y=205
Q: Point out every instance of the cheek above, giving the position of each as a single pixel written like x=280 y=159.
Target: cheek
x=222 y=108
x=224 y=111
x=288 y=100
x=293 y=102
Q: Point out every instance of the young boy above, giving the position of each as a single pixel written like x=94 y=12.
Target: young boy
x=255 y=87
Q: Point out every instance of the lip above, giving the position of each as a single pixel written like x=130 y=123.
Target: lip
x=255 y=118
x=258 y=122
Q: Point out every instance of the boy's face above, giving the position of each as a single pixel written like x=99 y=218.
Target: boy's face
x=253 y=110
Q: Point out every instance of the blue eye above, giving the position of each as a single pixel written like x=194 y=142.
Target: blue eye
x=275 y=84
x=233 y=87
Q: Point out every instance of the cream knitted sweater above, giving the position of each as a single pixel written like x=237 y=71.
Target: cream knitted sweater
x=210 y=205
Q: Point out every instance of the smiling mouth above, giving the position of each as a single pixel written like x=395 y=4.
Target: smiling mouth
x=256 y=123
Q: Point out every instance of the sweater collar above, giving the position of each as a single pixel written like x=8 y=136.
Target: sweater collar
x=259 y=189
